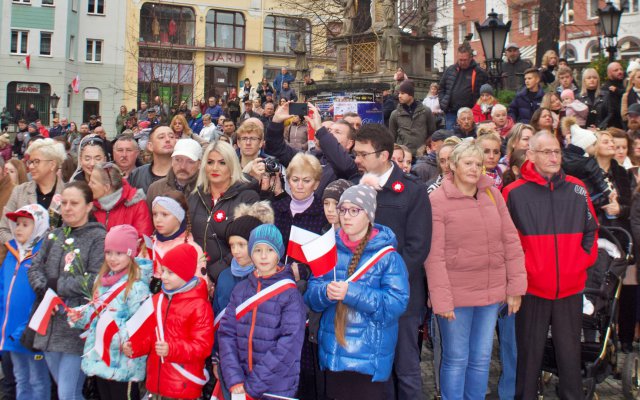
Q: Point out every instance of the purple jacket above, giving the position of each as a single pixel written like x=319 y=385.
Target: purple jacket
x=270 y=338
x=312 y=219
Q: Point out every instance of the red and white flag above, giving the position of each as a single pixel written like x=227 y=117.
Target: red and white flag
x=298 y=238
x=75 y=84
x=141 y=323
x=40 y=319
x=321 y=254
x=27 y=61
x=106 y=328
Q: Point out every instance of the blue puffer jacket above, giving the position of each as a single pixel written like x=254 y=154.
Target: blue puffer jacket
x=375 y=302
x=16 y=297
x=522 y=107
x=269 y=337
x=122 y=368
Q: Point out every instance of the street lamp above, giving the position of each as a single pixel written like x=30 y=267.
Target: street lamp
x=493 y=35
x=54 y=99
x=610 y=22
x=444 y=43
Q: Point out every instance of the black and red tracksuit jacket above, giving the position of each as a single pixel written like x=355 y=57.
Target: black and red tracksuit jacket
x=558 y=230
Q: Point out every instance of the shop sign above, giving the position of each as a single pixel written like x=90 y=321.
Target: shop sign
x=31 y=88
x=224 y=58
x=92 y=94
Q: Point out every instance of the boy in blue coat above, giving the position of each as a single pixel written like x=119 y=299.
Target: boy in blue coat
x=29 y=225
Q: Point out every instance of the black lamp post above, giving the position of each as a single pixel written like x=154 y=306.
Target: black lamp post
x=54 y=99
x=444 y=43
x=610 y=22
x=493 y=35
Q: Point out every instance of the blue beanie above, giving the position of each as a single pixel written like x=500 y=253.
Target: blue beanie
x=269 y=235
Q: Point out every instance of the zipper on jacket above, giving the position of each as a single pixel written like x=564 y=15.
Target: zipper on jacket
x=555 y=241
x=6 y=305
x=254 y=314
x=165 y=320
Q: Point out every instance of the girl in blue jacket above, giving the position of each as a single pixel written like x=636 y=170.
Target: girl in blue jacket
x=29 y=225
x=361 y=307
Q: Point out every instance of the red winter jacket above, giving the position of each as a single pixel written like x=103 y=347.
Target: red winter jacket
x=187 y=321
x=558 y=230
x=124 y=206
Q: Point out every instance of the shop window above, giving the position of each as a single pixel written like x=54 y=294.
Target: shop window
x=280 y=33
x=225 y=29
x=167 y=25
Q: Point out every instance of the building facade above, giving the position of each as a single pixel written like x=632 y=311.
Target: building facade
x=63 y=39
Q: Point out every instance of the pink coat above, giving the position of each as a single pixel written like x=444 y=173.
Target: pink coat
x=476 y=258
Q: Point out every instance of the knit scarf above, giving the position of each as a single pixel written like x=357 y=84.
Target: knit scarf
x=180 y=231
x=111 y=278
x=300 y=206
x=239 y=271
x=353 y=245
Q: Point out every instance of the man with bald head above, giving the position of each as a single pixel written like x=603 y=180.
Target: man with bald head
x=613 y=89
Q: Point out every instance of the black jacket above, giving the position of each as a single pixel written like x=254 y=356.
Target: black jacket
x=598 y=110
x=513 y=73
x=614 y=100
x=522 y=107
x=586 y=169
x=621 y=180
x=209 y=223
x=426 y=168
x=407 y=211
x=448 y=83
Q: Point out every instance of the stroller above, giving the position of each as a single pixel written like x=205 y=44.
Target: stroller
x=599 y=344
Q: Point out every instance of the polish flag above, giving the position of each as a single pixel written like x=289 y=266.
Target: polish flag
x=321 y=254
x=75 y=84
x=106 y=328
x=142 y=321
x=27 y=61
x=40 y=319
x=298 y=238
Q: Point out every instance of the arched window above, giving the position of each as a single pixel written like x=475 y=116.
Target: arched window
x=167 y=25
x=225 y=29
x=569 y=53
x=629 y=48
x=593 y=50
x=280 y=33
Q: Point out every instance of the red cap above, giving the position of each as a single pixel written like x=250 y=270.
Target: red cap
x=20 y=213
x=182 y=260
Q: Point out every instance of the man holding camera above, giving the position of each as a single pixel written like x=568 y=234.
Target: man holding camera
x=250 y=139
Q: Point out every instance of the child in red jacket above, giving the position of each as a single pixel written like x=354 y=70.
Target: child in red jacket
x=183 y=323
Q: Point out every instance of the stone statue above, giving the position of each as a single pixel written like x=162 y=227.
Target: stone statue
x=389 y=12
x=300 y=51
x=423 y=17
x=349 y=11
x=389 y=46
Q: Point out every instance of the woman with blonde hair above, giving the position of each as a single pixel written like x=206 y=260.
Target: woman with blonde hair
x=632 y=94
x=549 y=65
x=181 y=129
x=591 y=96
x=220 y=188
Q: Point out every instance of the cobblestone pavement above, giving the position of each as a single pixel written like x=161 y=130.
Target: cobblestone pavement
x=609 y=389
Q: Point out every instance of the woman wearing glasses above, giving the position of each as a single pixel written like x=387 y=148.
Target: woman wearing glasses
x=92 y=152
x=361 y=301
x=45 y=157
x=116 y=202
x=475 y=267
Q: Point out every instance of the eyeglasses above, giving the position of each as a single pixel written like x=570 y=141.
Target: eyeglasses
x=363 y=154
x=249 y=139
x=35 y=162
x=353 y=212
x=548 y=153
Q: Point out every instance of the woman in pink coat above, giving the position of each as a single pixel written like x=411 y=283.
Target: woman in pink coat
x=476 y=264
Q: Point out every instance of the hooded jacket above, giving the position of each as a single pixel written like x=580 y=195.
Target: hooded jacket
x=558 y=231
x=476 y=258
x=376 y=301
x=48 y=271
x=412 y=128
x=126 y=205
x=262 y=349
x=187 y=321
x=16 y=295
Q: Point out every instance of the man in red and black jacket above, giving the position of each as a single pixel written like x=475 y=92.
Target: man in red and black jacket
x=558 y=230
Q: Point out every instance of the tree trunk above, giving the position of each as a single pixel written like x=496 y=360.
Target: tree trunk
x=548 y=30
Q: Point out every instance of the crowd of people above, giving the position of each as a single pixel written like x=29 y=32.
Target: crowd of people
x=459 y=216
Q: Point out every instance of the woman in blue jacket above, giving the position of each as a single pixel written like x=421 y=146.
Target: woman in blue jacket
x=361 y=307
x=28 y=225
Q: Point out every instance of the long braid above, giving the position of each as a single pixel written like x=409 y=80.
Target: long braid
x=340 y=320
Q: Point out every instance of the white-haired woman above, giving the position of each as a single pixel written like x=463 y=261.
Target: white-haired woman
x=45 y=157
x=220 y=187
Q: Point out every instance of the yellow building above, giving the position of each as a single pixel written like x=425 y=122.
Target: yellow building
x=186 y=50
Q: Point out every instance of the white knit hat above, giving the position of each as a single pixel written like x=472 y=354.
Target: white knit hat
x=582 y=138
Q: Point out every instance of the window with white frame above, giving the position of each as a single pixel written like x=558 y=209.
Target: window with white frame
x=45 y=43
x=524 y=20
x=74 y=5
x=22 y=1
x=568 y=12
x=593 y=8
x=94 y=51
x=72 y=48
x=534 y=18
x=47 y=2
x=95 y=7
x=19 y=41
x=462 y=31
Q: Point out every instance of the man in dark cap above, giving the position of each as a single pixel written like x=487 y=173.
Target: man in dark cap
x=633 y=121
x=426 y=167
x=411 y=123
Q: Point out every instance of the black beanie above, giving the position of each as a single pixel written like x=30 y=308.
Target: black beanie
x=407 y=87
x=335 y=189
x=242 y=226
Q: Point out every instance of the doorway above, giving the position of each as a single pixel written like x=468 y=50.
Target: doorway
x=90 y=108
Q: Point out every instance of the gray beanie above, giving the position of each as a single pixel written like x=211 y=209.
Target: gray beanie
x=486 y=88
x=363 y=196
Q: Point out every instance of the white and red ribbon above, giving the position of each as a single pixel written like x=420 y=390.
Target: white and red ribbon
x=359 y=273
x=264 y=295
